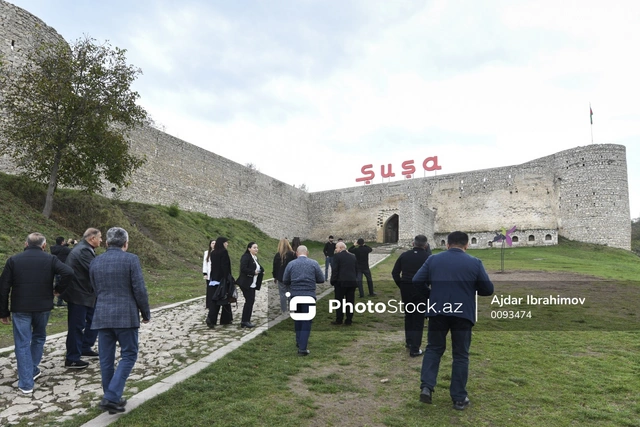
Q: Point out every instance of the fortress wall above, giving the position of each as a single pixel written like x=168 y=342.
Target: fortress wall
x=199 y=180
x=481 y=200
x=20 y=31
x=593 y=195
x=581 y=193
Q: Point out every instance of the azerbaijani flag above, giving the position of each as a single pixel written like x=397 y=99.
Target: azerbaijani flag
x=590 y=114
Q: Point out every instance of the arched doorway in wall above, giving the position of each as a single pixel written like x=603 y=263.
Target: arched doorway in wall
x=391 y=229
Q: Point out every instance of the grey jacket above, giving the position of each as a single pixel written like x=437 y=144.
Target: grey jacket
x=121 y=295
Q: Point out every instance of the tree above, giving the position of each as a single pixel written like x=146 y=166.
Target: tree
x=67 y=112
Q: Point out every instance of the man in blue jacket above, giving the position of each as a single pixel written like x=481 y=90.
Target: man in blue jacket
x=28 y=276
x=121 y=298
x=454 y=278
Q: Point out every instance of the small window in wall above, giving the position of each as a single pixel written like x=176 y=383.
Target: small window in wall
x=515 y=239
x=474 y=241
x=532 y=238
x=442 y=242
x=547 y=237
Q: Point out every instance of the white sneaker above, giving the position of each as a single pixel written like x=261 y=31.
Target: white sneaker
x=26 y=391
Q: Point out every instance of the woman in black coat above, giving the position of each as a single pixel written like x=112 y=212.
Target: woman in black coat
x=251 y=273
x=220 y=273
x=280 y=260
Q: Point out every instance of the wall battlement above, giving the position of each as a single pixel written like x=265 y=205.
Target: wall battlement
x=581 y=193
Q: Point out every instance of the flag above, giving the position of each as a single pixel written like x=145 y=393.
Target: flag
x=591 y=114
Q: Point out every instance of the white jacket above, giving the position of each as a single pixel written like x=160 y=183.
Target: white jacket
x=206 y=265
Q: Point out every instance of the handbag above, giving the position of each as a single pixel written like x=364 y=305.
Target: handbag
x=233 y=297
x=232 y=290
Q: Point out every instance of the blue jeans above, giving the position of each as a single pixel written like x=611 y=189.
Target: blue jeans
x=327 y=263
x=29 y=335
x=367 y=274
x=113 y=379
x=302 y=328
x=460 y=329
x=80 y=336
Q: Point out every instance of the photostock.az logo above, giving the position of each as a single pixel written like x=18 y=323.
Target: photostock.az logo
x=309 y=302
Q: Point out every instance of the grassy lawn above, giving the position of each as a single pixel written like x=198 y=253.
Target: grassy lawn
x=363 y=376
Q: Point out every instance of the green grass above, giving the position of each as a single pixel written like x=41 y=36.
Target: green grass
x=536 y=376
x=585 y=258
x=170 y=246
x=363 y=376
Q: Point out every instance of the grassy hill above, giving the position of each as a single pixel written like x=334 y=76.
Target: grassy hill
x=169 y=242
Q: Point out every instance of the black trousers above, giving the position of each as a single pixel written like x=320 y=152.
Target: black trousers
x=349 y=294
x=249 y=299
x=225 y=318
x=413 y=317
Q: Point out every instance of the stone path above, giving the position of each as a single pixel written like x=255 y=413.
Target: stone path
x=176 y=339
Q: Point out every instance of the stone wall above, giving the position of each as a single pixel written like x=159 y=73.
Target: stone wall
x=20 y=31
x=581 y=193
x=199 y=180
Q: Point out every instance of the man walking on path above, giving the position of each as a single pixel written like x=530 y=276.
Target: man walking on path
x=122 y=297
x=61 y=250
x=406 y=266
x=29 y=276
x=454 y=277
x=329 y=250
x=343 y=279
x=81 y=300
x=362 y=251
x=302 y=274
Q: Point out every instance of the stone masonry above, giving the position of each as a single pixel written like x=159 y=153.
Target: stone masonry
x=581 y=193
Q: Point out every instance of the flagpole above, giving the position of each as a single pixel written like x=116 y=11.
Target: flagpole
x=591 y=118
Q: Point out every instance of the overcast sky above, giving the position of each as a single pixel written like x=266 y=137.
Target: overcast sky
x=310 y=91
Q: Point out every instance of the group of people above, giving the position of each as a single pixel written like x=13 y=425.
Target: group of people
x=106 y=297
x=216 y=269
x=446 y=285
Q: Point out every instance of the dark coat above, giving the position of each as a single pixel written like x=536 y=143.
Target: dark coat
x=279 y=266
x=454 y=277
x=121 y=295
x=247 y=271
x=408 y=264
x=362 y=256
x=220 y=265
x=29 y=277
x=343 y=270
x=220 y=269
x=80 y=290
x=329 y=249
x=61 y=251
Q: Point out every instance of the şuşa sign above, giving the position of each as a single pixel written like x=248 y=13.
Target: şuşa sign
x=408 y=169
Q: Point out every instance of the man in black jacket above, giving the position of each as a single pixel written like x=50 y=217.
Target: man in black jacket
x=329 y=250
x=62 y=251
x=343 y=279
x=81 y=299
x=406 y=266
x=28 y=276
x=362 y=251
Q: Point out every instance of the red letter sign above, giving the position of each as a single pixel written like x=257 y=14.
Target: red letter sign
x=434 y=166
x=368 y=174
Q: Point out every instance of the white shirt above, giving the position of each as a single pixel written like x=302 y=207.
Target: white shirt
x=255 y=276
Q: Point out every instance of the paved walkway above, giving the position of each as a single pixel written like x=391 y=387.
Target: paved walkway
x=175 y=345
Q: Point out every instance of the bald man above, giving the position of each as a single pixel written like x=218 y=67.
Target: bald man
x=343 y=279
